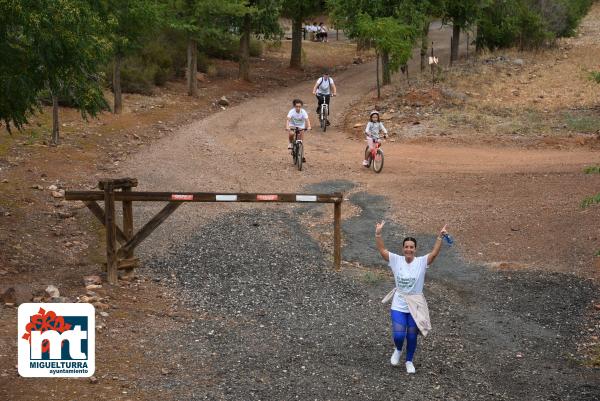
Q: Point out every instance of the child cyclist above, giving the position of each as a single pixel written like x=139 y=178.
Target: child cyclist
x=372 y=131
x=297 y=117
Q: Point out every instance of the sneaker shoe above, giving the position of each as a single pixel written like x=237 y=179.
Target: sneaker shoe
x=395 y=359
x=303 y=160
x=328 y=123
x=289 y=146
x=365 y=163
x=410 y=368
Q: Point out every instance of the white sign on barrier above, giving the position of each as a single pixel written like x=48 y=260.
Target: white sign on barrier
x=226 y=198
x=306 y=198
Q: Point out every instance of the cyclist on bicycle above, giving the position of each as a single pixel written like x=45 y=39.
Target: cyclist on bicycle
x=372 y=130
x=324 y=88
x=297 y=117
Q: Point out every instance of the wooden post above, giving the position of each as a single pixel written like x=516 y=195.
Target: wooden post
x=451 y=41
x=337 y=236
x=432 y=68
x=111 y=232
x=128 y=225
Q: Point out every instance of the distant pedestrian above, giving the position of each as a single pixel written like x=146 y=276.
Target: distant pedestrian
x=322 y=32
x=409 y=312
x=312 y=32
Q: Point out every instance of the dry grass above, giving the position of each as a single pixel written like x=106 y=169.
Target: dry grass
x=554 y=79
x=549 y=96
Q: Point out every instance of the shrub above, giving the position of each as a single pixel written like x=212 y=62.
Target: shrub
x=256 y=48
x=64 y=100
x=595 y=76
x=226 y=46
x=528 y=23
x=204 y=63
x=137 y=77
x=532 y=29
x=162 y=58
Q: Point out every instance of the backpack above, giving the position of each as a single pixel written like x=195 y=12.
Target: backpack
x=319 y=86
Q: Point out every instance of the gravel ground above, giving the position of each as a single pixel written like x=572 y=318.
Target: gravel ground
x=274 y=323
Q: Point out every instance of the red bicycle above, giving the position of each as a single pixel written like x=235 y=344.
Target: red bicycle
x=374 y=157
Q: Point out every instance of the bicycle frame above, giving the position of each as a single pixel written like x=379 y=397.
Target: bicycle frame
x=376 y=145
x=324 y=106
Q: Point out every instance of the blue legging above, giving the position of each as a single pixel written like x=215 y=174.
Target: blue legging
x=404 y=326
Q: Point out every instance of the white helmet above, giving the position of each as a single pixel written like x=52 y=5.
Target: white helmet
x=373 y=112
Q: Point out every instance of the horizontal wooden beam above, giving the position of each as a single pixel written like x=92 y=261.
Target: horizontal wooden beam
x=204 y=197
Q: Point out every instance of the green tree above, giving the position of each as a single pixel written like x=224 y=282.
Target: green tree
x=404 y=18
x=261 y=18
x=202 y=20
x=298 y=11
x=427 y=10
x=462 y=14
x=390 y=37
x=134 y=21
x=55 y=45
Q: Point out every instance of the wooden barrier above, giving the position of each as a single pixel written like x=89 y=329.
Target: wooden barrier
x=121 y=190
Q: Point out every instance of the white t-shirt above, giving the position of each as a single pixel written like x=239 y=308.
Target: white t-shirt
x=297 y=119
x=409 y=278
x=324 y=86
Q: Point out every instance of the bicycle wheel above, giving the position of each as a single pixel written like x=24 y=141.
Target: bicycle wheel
x=324 y=119
x=368 y=156
x=295 y=153
x=300 y=156
x=378 y=162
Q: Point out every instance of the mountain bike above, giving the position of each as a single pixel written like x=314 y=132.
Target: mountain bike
x=297 y=149
x=323 y=113
x=374 y=157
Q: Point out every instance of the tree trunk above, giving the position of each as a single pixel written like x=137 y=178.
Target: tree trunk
x=454 y=43
x=296 y=57
x=55 y=134
x=386 y=76
x=192 y=68
x=377 y=70
x=363 y=45
x=118 y=105
x=424 y=42
x=245 y=49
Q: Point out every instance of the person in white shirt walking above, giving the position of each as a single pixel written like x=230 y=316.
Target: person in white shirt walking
x=409 y=313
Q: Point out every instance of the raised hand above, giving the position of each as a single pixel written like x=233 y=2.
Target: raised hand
x=379 y=227
x=443 y=231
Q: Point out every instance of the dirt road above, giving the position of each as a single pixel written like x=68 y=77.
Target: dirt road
x=508 y=320
x=494 y=199
x=507 y=330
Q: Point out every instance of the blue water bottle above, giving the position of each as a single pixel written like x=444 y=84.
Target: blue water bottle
x=448 y=239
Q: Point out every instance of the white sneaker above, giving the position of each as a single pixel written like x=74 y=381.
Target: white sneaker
x=395 y=359
x=289 y=145
x=410 y=368
x=365 y=163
